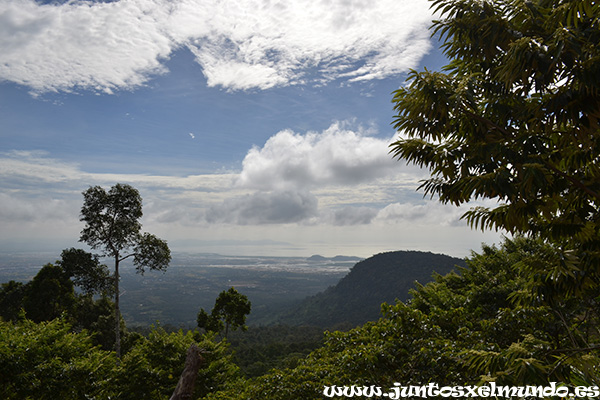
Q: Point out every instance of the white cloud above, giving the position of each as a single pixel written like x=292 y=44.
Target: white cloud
x=336 y=156
x=227 y=68
x=34 y=166
x=108 y=46
x=38 y=168
x=429 y=212
x=97 y=46
x=340 y=176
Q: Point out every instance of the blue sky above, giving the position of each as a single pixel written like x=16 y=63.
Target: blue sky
x=251 y=127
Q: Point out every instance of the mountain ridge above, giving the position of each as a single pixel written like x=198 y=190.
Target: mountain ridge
x=357 y=297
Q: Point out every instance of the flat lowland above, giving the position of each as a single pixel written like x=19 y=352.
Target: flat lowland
x=193 y=281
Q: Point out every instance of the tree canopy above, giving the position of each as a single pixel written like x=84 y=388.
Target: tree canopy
x=112 y=224
x=85 y=271
x=49 y=361
x=230 y=310
x=513 y=117
x=49 y=294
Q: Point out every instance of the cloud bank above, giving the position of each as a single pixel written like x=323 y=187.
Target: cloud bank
x=249 y=44
x=328 y=190
x=312 y=178
x=280 y=207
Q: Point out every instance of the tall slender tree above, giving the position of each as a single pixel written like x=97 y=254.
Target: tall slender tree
x=112 y=225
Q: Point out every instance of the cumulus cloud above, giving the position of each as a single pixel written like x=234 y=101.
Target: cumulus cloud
x=340 y=177
x=336 y=156
x=279 y=207
x=108 y=46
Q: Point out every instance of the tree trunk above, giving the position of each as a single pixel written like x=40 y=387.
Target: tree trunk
x=117 y=313
x=185 y=386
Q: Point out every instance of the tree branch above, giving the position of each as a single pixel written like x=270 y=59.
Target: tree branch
x=126 y=257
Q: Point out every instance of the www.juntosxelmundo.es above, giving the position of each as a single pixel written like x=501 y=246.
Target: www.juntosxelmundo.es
x=492 y=390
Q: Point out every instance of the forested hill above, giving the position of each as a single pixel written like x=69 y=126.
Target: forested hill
x=357 y=298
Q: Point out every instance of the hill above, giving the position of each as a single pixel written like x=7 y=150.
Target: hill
x=357 y=298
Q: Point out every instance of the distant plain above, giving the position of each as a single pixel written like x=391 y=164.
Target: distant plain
x=193 y=281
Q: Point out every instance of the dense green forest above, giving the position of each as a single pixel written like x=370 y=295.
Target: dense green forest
x=474 y=326
x=470 y=326
x=57 y=292
x=514 y=119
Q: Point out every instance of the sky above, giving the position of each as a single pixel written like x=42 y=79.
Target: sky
x=250 y=127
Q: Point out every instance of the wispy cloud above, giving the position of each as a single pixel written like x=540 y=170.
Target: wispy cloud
x=26 y=210
x=39 y=168
x=108 y=46
x=95 y=46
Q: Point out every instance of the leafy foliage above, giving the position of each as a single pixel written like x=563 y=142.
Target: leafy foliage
x=483 y=322
x=85 y=271
x=46 y=361
x=11 y=300
x=49 y=294
x=96 y=316
x=151 y=252
x=151 y=369
x=262 y=348
x=513 y=117
x=113 y=226
x=112 y=218
x=460 y=329
x=230 y=310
